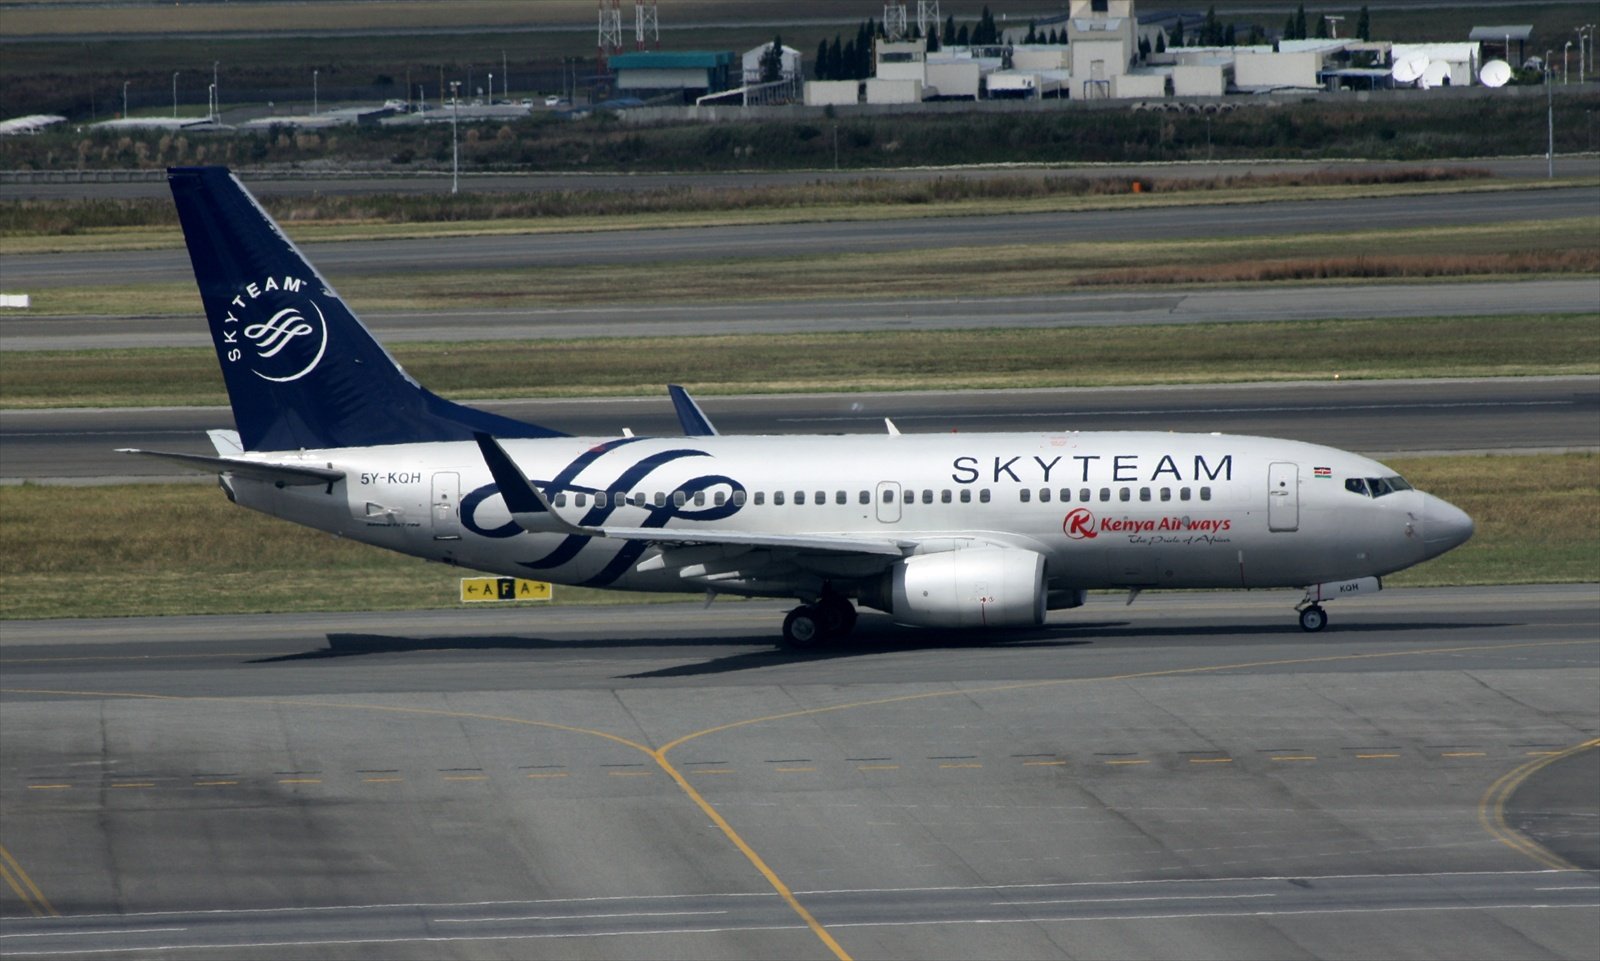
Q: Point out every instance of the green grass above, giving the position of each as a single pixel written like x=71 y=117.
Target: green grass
x=1543 y=344
x=146 y=550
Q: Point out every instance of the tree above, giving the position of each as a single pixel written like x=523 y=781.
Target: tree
x=1300 y=22
x=1161 y=42
x=847 y=62
x=948 y=35
x=772 y=61
x=1177 y=32
x=933 y=38
x=1288 y=28
x=1363 y=24
x=1322 y=28
x=836 y=60
x=1230 y=36
x=1033 y=34
x=1210 y=33
x=1144 y=48
x=819 y=66
x=963 y=38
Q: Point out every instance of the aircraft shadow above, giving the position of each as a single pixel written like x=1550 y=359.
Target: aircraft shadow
x=874 y=636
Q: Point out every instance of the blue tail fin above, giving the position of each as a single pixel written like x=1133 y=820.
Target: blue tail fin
x=301 y=370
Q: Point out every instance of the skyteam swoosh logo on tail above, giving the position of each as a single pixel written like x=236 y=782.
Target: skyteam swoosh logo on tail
x=280 y=339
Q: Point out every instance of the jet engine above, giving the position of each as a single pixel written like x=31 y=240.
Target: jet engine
x=976 y=587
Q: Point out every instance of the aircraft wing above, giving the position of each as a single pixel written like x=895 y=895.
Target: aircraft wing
x=531 y=509
x=288 y=474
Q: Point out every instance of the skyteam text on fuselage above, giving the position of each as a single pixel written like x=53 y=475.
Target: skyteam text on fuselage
x=939 y=530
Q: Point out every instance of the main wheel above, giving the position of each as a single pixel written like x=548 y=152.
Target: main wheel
x=1313 y=618
x=802 y=629
x=837 y=615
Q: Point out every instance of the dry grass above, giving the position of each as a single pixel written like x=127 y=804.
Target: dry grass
x=1387 y=266
x=143 y=550
x=925 y=360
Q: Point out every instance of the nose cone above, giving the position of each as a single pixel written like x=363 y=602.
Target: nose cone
x=1444 y=526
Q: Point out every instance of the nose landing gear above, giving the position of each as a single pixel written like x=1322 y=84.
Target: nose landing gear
x=1313 y=618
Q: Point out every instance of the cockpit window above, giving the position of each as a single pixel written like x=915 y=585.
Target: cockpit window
x=1376 y=486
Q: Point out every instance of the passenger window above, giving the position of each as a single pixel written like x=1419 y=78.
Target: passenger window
x=1144 y=493
x=561 y=500
x=720 y=498
x=1083 y=494
x=1125 y=494
x=738 y=498
x=599 y=498
x=1025 y=495
x=1105 y=493
x=927 y=497
x=679 y=498
x=822 y=498
x=944 y=496
x=661 y=499
x=888 y=496
x=777 y=498
x=1044 y=495
x=761 y=498
x=908 y=496
x=1205 y=493
x=699 y=498
x=966 y=495
x=865 y=497
x=1166 y=493
x=983 y=495
x=799 y=497
x=578 y=500
x=1183 y=494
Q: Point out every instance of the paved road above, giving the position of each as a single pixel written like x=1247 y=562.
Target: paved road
x=1186 y=777
x=1375 y=417
x=32 y=272
x=1097 y=309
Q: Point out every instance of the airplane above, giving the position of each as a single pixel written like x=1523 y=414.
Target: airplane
x=957 y=530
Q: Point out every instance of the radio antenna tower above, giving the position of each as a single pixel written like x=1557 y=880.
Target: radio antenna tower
x=646 y=23
x=610 y=38
x=894 y=21
x=928 y=17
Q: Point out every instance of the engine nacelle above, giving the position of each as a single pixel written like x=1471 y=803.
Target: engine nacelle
x=976 y=587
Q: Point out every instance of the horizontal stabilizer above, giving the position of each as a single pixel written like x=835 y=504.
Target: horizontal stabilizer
x=288 y=474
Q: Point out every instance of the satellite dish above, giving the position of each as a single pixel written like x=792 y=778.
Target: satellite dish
x=1437 y=74
x=1409 y=68
x=1495 y=73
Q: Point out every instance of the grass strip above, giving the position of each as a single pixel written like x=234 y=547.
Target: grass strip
x=1519 y=249
x=148 y=550
x=1528 y=344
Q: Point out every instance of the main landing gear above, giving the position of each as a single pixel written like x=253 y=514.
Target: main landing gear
x=809 y=626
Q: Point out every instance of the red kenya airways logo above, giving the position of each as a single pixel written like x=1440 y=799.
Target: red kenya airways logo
x=1079 y=524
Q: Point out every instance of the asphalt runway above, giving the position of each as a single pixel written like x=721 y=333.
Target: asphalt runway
x=1374 y=417
x=1190 y=776
x=1096 y=309
x=29 y=273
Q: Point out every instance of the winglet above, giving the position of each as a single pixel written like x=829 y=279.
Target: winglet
x=694 y=421
x=528 y=505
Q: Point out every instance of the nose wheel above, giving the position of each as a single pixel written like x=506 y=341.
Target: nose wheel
x=1313 y=618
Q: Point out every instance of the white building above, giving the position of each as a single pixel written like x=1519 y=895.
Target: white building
x=789 y=58
x=1102 y=41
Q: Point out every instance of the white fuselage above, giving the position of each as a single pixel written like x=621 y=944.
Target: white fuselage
x=1106 y=509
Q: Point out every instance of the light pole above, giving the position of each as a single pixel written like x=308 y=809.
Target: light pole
x=455 y=149
x=314 y=92
x=216 y=91
x=125 y=98
x=505 y=76
x=211 y=104
x=174 y=95
x=1565 y=68
x=1587 y=30
x=1550 y=121
x=491 y=85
